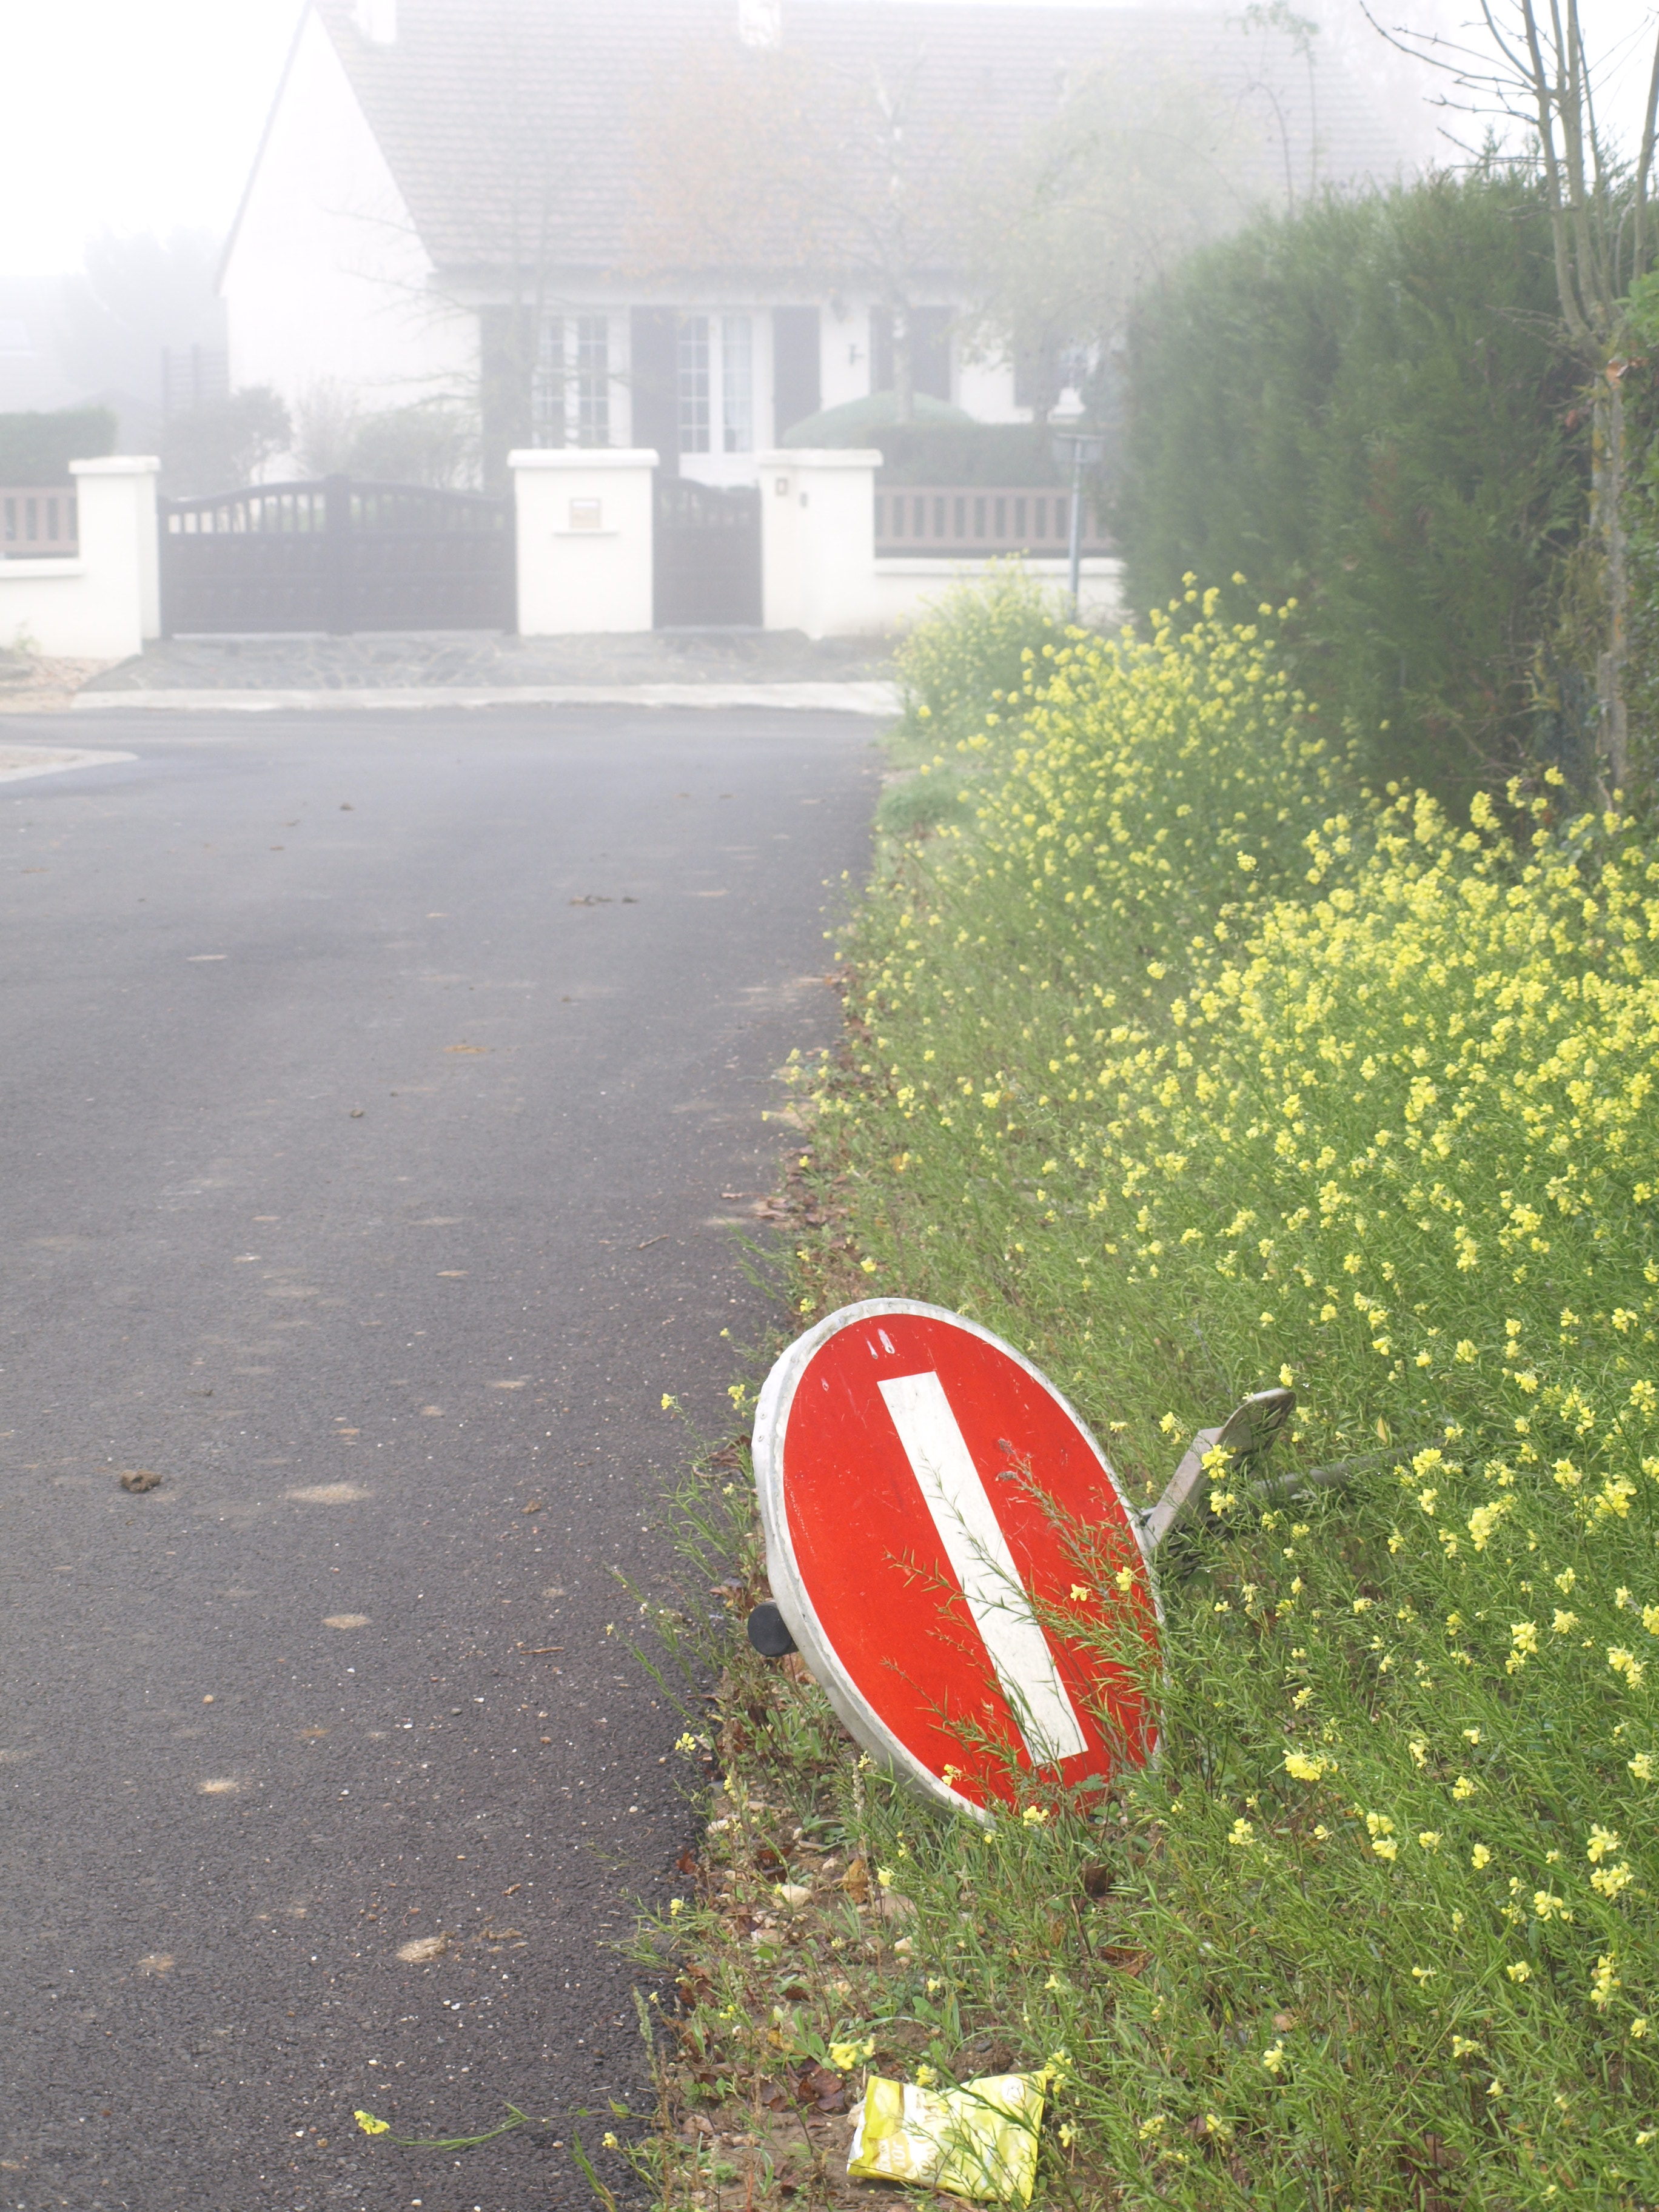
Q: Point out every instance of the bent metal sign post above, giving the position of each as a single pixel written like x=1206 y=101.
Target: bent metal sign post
x=929 y=1500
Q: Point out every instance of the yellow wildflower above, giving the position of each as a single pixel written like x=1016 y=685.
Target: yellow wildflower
x=1627 y=1664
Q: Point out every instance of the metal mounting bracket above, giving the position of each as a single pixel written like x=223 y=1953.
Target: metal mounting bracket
x=1247 y=1433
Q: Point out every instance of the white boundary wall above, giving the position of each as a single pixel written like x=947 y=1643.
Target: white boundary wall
x=821 y=571
x=906 y=586
x=105 y=602
x=584 y=542
x=584 y=520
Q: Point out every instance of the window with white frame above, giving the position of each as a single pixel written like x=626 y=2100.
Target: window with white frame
x=693 y=349
x=737 y=385
x=717 y=356
x=570 y=388
x=547 y=384
x=593 y=424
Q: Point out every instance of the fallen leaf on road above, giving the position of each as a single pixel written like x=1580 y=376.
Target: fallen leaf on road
x=224 y=1785
x=346 y=1621
x=467 y=1048
x=140 y=1479
x=328 y=1493
x=534 y=1506
x=158 y=1962
x=423 y=1948
x=519 y=1383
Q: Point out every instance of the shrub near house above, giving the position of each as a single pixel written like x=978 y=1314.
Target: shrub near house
x=37 y=449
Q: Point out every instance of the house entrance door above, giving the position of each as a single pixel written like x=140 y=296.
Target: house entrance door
x=706 y=557
x=337 y=556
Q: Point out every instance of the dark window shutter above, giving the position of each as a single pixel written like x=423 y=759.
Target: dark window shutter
x=797 y=390
x=930 y=350
x=881 y=349
x=654 y=383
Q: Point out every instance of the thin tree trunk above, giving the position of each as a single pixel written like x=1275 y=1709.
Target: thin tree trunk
x=1608 y=478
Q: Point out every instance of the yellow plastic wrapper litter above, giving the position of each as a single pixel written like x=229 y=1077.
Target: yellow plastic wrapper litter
x=978 y=2140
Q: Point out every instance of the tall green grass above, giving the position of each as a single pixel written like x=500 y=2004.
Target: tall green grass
x=1191 y=1067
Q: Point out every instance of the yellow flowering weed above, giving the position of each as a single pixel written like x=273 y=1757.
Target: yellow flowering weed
x=1205 y=1065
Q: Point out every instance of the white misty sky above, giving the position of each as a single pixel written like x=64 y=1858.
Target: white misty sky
x=134 y=115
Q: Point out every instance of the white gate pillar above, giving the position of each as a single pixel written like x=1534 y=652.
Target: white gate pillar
x=819 y=541
x=583 y=518
x=115 y=502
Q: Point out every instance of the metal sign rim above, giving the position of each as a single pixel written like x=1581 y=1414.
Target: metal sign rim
x=772 y=1412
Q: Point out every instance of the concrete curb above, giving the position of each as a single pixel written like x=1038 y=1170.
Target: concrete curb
x=867 y=696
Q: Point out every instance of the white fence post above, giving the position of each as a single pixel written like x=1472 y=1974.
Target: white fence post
x=583 y=516
x=101 y=603
x=819 y=541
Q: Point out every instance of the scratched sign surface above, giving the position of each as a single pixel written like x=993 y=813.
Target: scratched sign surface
x=950 y=1548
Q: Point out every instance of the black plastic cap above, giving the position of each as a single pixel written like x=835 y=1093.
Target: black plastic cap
x=770 y=1632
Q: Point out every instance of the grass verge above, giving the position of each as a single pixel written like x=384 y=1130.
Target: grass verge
x=1189 y=1066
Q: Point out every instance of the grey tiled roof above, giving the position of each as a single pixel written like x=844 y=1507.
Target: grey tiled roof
x=514 y=127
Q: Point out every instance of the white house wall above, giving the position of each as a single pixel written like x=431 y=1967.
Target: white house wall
x=843 y=352
x=325 y=280
x=986 y=390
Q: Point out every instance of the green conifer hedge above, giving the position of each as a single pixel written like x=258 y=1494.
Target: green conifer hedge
x=1366 y=407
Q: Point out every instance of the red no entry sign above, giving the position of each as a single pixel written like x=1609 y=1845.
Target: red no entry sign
x=947 y=1545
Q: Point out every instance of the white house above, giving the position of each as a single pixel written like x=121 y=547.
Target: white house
x=437 y=177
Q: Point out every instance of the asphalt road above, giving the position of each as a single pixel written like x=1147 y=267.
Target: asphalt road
x=375 y=1095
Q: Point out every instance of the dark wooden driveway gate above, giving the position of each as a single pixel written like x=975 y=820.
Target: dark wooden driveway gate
x=706 y=554
x=337 y=556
